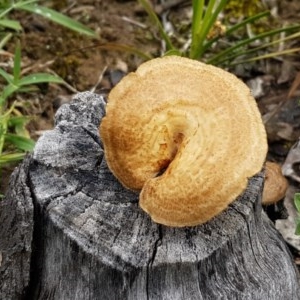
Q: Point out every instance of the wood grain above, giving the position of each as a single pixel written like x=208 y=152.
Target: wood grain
x=69 y=230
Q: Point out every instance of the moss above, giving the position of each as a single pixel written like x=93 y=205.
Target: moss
x=66 y=67
x=239 y=9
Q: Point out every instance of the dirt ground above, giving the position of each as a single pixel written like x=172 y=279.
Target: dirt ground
x=82 y=63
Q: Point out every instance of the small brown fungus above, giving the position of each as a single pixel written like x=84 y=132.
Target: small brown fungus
x=275 y=184
x=187 y=135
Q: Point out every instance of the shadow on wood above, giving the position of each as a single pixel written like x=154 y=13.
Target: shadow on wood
x=69 y=230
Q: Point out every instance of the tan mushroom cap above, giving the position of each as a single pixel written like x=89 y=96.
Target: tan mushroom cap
x=275 y=184
x=187 y=134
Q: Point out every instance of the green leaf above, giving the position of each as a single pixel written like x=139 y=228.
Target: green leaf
x=18 y=121
x=4 y=40
x=4 y=12
x=11 y=24
x=20 y=142
x=8 y=77
x=18 y=125
x=59 y=18
x=39 y=78
x=27 y=80
x=7 y=91
x=173 y=52
x=28 y=89
x=5 y=115
x=11 y=157
x=297 y=201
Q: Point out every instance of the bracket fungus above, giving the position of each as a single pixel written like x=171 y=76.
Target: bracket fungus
x=276 y=184
x=187 y=135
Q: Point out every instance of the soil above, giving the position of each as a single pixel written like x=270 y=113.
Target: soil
x=48 y=47
x=85 y=64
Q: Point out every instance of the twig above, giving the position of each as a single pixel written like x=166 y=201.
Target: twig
x=68 y=86
x=139 y=24
x=267 y=117
x=6 y=53
x=37 y=66
x=99 y=79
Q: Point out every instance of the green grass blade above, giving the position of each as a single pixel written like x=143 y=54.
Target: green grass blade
x=8 y=77
x=249 y=20
x=5 y=40
x=4 y=12
x=20 y=142
x=7 y=91
x=210 y=8
x=11 y=157
x=17 y=64
x=237 y=26
x=7 y=114
x=257 y=49
x=173 y=52
x=13 y=5
x=213 y=18
x=297 y=204
x=18 y=120
x=215 y=59
x=211 y=14
x=297 y=231
x=39 y=78
x=19 y=125
x=266 y=56
x=28 y=89
x=148 y=8
x=4 y=117
x=59 y=18
x=198 y=10
x=3 y=130
x=11 y=24
x=221 y=5
x=19 y=4
x=297 y=201
x=197 y=26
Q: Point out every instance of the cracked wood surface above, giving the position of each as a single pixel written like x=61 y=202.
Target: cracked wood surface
x=71 y=231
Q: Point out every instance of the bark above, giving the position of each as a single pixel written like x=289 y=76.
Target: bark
x=69 y=230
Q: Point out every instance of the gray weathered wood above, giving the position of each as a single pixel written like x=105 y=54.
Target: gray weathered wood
x=69 y=230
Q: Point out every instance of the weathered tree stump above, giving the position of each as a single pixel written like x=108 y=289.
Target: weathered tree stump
x=69 y=230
